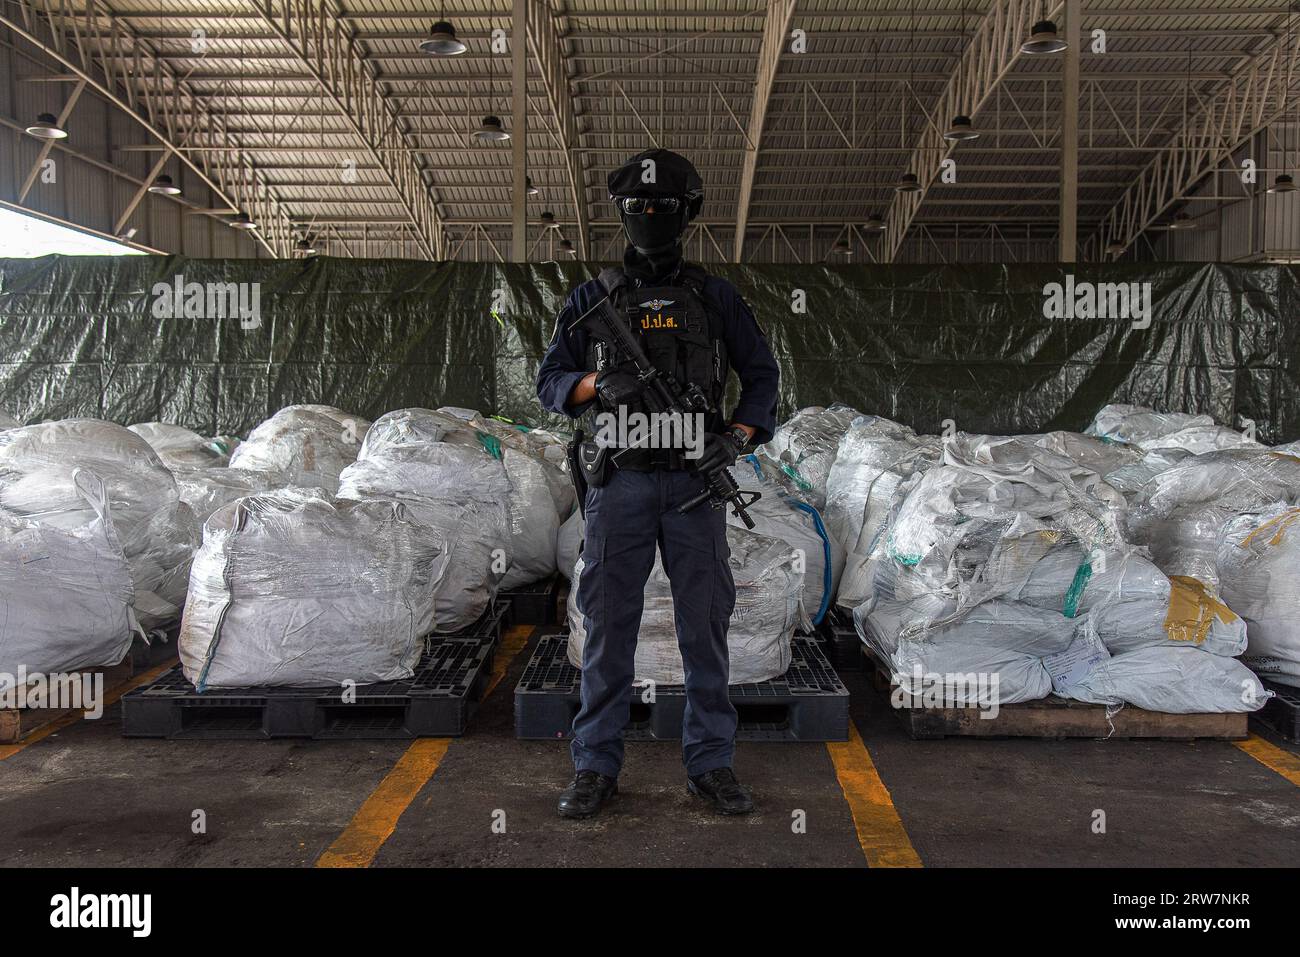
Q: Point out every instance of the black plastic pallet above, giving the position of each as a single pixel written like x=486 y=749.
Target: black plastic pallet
x=489 y=625
x=839 y=640
x=535 y=604
x=807 y=703
x=437 y=701
x=1281 y=713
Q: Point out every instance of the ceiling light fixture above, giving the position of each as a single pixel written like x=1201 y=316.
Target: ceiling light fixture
x=47 y=127
x=442 y=41
x=491 y=131
x=163 y=186
x=241 y=221
x=875 y=224
x=529 y=188
x=961 y=130
x=1043 y=38
x=908 y=183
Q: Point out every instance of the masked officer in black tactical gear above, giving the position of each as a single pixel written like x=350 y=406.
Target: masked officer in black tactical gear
x=696 y=328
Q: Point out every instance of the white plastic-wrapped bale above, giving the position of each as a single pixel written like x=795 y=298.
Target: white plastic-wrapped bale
x=809 y=441
x=1130 y=478
x=65 y=591
x=441 y=474
x=297 y=588
x=206 y=490
x=1180 y=513
x=180 y=448
x=546 y=447
x=785 y=515
x=1131 y=603
x=949 y=568
x=1173 y=680
x=37 y=463
x=876 y=458
x=1135 y=423
x=568 y=544
x=1102 y=456
x=1259 y=572
x=305 y=446
x=768 y=609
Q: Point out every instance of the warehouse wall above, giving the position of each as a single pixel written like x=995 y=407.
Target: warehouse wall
x=94 y=180
x=967 y=347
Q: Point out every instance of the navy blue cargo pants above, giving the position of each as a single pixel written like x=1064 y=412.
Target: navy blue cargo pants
x=629 y=517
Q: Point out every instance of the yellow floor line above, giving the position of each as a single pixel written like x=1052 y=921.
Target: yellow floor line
x=880 y=830
x=1271 y=756
x=377 y=818
x=110 y=696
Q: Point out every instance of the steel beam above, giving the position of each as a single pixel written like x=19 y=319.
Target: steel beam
x=133 y=77
x=775 y=24
x=1070 y=133
x=993 y=50
x=1217 y=126
x=548 y=50
x=326 y=47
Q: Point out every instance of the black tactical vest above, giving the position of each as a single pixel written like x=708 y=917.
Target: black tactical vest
x=680 y=331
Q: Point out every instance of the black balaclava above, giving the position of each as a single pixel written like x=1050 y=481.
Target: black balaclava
x=654 y=244
x=654 y=249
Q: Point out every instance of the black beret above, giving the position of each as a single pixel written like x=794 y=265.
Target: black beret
x=674 y=176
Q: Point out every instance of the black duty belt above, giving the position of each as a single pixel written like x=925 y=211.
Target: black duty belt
x=653 y=460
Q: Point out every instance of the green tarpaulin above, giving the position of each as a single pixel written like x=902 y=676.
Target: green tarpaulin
x=985 y=347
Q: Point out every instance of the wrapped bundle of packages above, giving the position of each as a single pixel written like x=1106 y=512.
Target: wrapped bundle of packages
x=65 y=590
x=179 y=448
x=306 y=445
x=784 y=513
x=769 y=590
x=809 y=442
x=438 y=470
x=298 y=588
x=1150 y=430
x=541 y=493
x=157 y=532
x=1259 y=579
x=1008 y=561
x=875 y=461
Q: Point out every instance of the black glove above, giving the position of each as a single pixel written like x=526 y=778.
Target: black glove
x=615 y=387
x=720 y=451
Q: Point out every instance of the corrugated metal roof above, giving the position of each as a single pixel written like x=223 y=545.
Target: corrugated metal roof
x=841 y=120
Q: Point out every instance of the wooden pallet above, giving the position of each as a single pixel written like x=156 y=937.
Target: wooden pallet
x=17 y=723
x=1055 y=718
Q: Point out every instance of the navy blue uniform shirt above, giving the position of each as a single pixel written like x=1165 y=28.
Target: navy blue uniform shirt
x=565 y=362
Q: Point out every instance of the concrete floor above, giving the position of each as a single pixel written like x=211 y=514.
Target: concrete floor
x=86 y=797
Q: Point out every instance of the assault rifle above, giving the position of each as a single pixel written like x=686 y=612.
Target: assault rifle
x=663 y=394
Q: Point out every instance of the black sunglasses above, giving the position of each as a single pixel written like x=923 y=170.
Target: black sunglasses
x=637 y=205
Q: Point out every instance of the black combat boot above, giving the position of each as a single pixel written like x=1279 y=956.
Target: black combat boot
x=586 y=793
x=720 y=786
